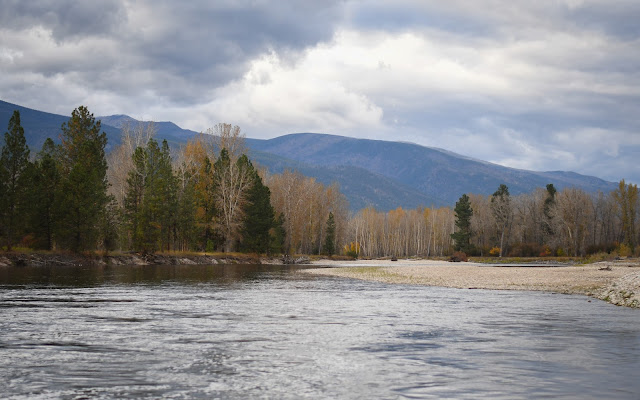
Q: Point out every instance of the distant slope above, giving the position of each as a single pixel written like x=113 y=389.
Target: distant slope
x=382 y=174
x=164 y=130
x=39 y=125
x=361 y=187
x=442 y=175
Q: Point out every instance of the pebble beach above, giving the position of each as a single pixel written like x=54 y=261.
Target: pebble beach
x=617 y=282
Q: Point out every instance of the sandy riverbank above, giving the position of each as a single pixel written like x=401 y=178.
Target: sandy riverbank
x=620 y=285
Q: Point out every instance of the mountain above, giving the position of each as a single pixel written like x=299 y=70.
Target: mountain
x=39 y=125
x=375 y=173
x=441 y=174
x=361 y=187
x=164 y=130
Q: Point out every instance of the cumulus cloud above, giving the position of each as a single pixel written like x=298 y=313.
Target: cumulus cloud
x=536 y=85
x=178 y=52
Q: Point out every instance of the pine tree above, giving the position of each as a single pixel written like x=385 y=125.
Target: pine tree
x=186 y=215
x=14 y=162
x=258 y=216
x=45 y=181
x=168 y=187
x=462 y=236
x=548 y=210
x=151 y=200
x=502 y=212
x=278 y=234
x=133 y=198
x=330 y=238
x=82 y=198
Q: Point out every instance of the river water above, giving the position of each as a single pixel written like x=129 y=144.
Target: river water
x=272 y=332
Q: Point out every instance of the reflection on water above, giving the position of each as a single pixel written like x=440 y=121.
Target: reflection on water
x=267 y=331
x=137 y=274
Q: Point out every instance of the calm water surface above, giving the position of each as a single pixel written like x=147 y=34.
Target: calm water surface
x=264 y=331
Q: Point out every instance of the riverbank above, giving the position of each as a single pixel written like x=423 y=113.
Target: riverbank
x=18 y=259
x=617 y=282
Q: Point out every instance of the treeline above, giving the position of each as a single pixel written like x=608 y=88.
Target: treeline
x=208 y=196
x=145 y=196
x=423 y=232
x=546 y=222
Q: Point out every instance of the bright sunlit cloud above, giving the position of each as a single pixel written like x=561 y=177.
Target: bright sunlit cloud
x=539 y=85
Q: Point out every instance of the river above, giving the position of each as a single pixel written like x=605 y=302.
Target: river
x=237 y=332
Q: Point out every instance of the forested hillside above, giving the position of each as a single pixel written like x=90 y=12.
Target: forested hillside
x=207 y=195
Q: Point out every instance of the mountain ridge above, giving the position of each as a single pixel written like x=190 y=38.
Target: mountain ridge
x=377 y=173
x=440 y=173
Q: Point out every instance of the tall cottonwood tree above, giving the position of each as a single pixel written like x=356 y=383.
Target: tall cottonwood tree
x=195 y=171
x=229 y=137
x=14 y=162
x=82 y=195
x=231 y=182
x=421 y=232
x=574 y=209
x=305 y=205
x=120 y=159
x=186 y=228
x=626 y=197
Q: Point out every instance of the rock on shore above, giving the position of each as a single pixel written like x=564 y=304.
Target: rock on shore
x=624 y=291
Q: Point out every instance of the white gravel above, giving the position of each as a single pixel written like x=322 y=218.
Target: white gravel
x=619 y=285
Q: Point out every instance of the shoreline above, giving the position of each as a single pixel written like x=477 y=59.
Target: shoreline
x=36 y=259
x=617 y=282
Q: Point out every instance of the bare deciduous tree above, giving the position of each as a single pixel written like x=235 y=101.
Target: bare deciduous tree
x=120 y=160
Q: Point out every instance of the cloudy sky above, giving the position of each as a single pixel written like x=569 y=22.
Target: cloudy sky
x=541 y=85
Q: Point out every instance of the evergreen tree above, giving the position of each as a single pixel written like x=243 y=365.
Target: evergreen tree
x=151 y=201
x=548 y=210
x=45 y=181
x=205 y=198
x=186 y=214
x=82 y=194
x=462 y=236
x=133 y=198
x=168 y=188
x=14 y=162
x=258 y=216
x=278 y=234
x=110 y=223
x=330 y=239
x=502 y=212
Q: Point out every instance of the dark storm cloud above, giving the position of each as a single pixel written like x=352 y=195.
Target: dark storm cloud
x=66 y=19
x=180 y=51
x=616 y=18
